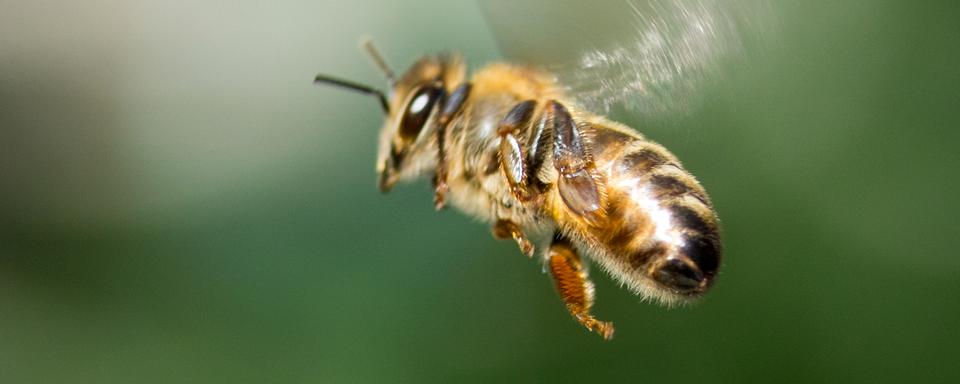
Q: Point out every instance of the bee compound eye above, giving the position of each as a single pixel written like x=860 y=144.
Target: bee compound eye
x=418 y=110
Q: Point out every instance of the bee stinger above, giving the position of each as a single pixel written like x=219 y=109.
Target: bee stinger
x=508 y=146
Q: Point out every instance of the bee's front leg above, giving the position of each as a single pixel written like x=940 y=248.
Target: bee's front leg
x=451 y=106
x=574 y=285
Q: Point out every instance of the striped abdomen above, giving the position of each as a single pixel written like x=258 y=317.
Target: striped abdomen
x=660 y=234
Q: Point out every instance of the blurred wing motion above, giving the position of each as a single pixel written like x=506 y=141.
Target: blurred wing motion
x=651 y=56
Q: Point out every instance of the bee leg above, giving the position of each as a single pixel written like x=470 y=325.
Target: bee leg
x=574 y=286
x=451 y=106
x=512 y=160
x=577 y=184
x=505 y=229
x=537 y=142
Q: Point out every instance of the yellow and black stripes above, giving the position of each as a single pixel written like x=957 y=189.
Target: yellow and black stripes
x=676 y=236
x=660 y=233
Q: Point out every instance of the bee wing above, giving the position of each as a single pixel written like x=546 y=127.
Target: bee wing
x=649 y=56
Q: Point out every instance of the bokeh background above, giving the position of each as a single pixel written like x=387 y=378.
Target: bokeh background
x=178 y=203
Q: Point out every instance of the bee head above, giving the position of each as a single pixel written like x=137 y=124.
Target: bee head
x=411 y=109
x=415 y=102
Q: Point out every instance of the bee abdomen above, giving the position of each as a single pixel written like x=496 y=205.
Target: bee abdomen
x=659 y=212
x=696 y=223
x=643 y=159
x=671 y=181
x=653 y=176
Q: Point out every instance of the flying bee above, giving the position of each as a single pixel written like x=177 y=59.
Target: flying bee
x=510 y=147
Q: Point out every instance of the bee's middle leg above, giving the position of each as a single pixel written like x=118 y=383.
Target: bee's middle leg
x=512 y=158
x=516 y=169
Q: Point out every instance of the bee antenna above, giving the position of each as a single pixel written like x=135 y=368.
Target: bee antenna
x=324 y=79
x=367 y=44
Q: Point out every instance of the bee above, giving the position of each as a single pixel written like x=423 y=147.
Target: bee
x=508 y=146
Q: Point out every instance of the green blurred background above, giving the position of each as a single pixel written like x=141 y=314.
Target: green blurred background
x=178 y=203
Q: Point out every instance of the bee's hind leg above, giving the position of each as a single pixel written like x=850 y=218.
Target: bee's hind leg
x=578 y=184
x=574 y=286
x=451 y=106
